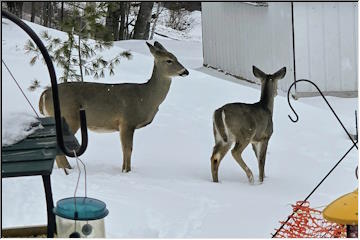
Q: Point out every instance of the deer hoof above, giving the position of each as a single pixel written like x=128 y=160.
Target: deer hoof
x=251 y=179
x=65 y=171
x=126 y=169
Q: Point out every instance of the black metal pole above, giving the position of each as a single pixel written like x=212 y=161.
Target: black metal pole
x=356 y=127
x=51 y=227
x=57 y=113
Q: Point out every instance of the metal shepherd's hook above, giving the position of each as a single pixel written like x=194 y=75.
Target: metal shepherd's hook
x=322 y=95
x=57 y=112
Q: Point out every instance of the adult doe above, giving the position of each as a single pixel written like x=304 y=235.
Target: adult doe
x=116 y=107
x=243 y=123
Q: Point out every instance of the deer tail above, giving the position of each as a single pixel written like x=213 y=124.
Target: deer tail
x=42 y=102
x=219 y=127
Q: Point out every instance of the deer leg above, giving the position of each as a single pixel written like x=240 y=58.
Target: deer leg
x=262 y=158
x=63 y=163
x=61 y=160
x=256 y=147
x=218 y=154
x=236 y=152
x=126 y=136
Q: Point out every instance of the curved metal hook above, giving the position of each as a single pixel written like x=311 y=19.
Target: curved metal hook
x=55 y=94
x=357 y=172
x=322 y=95
x=288 y=98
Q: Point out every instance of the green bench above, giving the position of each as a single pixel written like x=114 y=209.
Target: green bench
x=34 y=156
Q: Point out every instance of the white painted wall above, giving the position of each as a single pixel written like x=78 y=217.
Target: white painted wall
x=326 y=45
x=238 y=35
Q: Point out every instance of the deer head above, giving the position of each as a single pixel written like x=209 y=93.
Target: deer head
x=166 y=62
x=269 y=81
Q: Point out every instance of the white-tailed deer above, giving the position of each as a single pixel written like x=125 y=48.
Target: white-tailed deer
x=116 y=107
x=243 y=123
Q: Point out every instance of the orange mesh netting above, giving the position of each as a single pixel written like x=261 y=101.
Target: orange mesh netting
x=309 y=223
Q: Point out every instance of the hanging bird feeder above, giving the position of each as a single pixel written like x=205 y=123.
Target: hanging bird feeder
x=344 y=210
x=80 y=217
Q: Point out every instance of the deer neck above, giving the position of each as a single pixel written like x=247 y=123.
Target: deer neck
x=158 y=86
x=267 y=96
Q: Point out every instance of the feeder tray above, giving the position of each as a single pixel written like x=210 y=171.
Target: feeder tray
x=343 y=210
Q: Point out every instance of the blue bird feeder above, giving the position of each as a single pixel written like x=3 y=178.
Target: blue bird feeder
x=80 y=217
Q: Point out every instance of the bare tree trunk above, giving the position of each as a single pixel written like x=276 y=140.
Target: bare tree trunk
x=141 y=30
x=112 y=19
x=80 y=59
x=45 y=13
x=108 y=20
x=15 y=8
x=122 y=33
x=19 y=8
x=33 y=11
x=128 y=6
x=11 y=7
x=147 y=31
x=62 y=16
x=155 y=20
x=50 y=13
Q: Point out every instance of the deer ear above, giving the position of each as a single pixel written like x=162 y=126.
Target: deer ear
x=159 y=46
x=258 y=73
x=280 y=74
x=152 y=48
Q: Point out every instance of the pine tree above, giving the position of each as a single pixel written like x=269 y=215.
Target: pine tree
x=78 y=54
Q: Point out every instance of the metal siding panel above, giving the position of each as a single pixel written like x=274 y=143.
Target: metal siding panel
x=331 y=45
x=246 y=35
x=347 y=46
x=301 y=42
x=204 y=26
x=316 y=36
x=282 y=42
x=237 y=36
x=356 y=57
x=325 y=42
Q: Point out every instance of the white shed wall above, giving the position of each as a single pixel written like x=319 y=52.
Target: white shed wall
x=238 y=35
x=326 y=45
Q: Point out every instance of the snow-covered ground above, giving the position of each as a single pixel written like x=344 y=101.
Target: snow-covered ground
x=169 y=192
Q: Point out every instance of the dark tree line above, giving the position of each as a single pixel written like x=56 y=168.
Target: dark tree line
x=119 y=20
x=123 y=20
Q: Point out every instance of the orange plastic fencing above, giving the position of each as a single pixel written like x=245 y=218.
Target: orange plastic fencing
x=309 y=223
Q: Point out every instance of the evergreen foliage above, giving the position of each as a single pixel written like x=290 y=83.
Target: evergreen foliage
x=79 y=53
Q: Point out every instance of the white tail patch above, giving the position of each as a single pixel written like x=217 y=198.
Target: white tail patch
x=218 y=137
x=46 y=113
x=229 y=134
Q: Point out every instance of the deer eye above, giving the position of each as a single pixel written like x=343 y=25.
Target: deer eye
x=169 y=61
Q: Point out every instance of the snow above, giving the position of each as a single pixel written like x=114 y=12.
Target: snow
x=169 y=192
x=192 y=33
x=16 y=126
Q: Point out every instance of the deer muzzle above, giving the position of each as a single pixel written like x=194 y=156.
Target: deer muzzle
x=184 y=73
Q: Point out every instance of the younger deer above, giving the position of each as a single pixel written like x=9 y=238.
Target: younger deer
x=243 y=123
x=116 y=107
